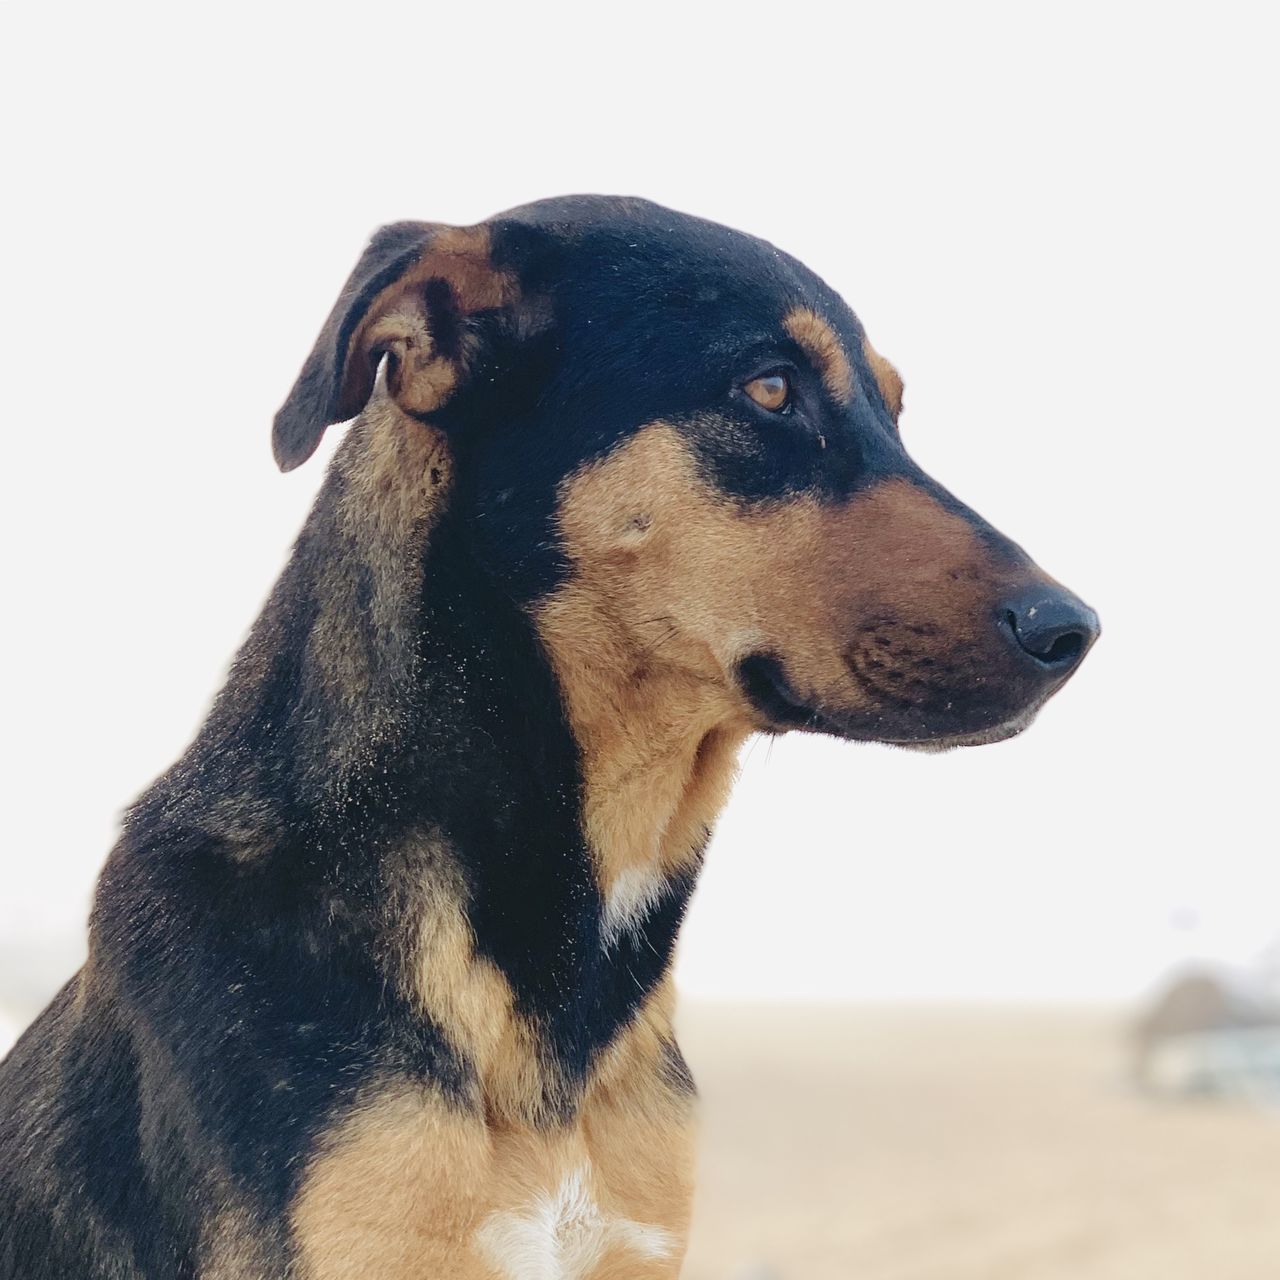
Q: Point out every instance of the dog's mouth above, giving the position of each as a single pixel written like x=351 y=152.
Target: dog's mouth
x=770 y=693
x=941 y=726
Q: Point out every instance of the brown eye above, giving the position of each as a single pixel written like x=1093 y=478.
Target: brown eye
x=772 y=392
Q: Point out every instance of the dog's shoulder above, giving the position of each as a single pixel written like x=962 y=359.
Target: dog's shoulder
x=80 y=1188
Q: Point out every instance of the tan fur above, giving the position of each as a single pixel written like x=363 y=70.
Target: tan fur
x=404 y=1187
x=888 y=379
x=468 y=997
x=421 y=380
x=824 y=348
x=649 y=539
x=396 y=1191
x=231 y=1249
x=657 y=728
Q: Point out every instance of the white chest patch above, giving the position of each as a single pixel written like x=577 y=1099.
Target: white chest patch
x=564 y=1236
x=633 y=895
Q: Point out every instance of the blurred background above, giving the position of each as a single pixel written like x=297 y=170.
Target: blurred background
x=1007 y=1013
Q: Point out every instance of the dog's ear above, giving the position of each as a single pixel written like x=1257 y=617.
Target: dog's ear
x=416 y=297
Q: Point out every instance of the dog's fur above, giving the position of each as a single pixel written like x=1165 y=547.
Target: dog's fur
x=379 y=976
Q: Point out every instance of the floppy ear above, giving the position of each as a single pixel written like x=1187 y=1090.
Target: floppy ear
x=411 y=298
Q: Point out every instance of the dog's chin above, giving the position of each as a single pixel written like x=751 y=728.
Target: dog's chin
x=779 y=708
x=914 y=738
x=982 y=738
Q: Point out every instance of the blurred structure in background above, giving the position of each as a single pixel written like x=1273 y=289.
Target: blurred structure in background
x=1212 y=1033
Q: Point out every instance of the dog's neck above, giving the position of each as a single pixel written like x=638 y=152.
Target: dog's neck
x=527 y=802
x=658 y=749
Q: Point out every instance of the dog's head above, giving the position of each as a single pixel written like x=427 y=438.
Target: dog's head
x=677 y=448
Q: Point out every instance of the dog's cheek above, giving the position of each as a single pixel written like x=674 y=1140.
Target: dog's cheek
x=648 y=548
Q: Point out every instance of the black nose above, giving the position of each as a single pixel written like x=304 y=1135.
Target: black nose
x=1054 y=628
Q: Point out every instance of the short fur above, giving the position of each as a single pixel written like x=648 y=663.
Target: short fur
x=379 y=972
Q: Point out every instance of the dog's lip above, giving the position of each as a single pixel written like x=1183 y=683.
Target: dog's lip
x=775 y=700
x=766 y=687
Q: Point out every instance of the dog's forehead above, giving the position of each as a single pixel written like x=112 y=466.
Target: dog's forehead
x=624 y=261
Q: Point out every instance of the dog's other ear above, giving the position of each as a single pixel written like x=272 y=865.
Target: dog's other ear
x=410 y=298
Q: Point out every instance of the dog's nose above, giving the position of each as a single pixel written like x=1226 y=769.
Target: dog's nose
x=1053 y=628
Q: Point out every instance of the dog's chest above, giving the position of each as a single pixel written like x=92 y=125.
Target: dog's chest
x=408 y=1187
x=564 y=1234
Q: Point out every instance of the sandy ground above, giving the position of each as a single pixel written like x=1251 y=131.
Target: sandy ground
x=964 y=1145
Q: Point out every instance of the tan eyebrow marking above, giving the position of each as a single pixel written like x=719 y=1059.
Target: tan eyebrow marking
x=888 y=379
x=819 y=340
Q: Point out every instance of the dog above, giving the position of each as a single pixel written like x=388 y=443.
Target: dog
x=379 y=978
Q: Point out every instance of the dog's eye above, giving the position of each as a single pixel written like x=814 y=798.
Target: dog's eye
x=772 y=391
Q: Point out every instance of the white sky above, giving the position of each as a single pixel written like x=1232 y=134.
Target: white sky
x=1059 y=223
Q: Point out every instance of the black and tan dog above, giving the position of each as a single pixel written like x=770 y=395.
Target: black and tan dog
x=379 y=978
